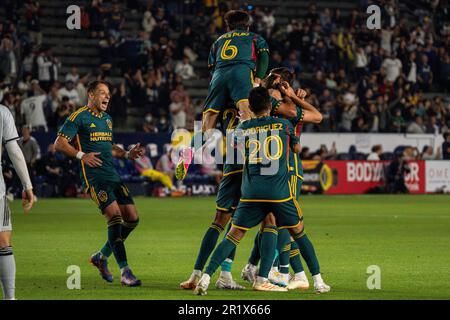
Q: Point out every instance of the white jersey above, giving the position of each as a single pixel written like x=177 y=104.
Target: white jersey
x=33 y=109
x=8 y=132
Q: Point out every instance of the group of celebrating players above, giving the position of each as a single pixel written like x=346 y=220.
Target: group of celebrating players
x=267 y=131
x=266 y=116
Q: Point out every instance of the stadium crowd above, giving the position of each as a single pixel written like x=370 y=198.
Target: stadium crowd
x=361 y=80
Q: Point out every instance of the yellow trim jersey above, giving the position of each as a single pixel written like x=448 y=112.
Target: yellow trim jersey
x=92 y=133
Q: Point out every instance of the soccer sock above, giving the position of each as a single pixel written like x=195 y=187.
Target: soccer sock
x=208 y=243
x=307 y=252
x=255 y=254
x=116 y=241
x=294 y=258
x=7 y=273
x=221 y=253
x=127 y=228
x=283 y=248
x=284 y=259
x=269 y=238
x=228 y=263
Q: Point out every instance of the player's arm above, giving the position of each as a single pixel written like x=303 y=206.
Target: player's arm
x=65 y=134
x=10 y=137
x=310 y=113
x=136 y=152
x=293 y=139
x=262 y=60
x=282 y=106
x=212 y=57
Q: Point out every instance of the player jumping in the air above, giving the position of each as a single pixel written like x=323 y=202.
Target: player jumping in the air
x=9 y=137
x=288 y=250
x=267 y=142
x=233 y=59
x=238 y=60
x=92 y=128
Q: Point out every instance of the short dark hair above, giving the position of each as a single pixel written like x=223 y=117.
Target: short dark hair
x=93 y=85
x=376 y=148
x=285 y=74
x=259 y=100
x=237 y=19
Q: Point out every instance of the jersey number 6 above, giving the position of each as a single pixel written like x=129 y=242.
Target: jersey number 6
x=228 y=51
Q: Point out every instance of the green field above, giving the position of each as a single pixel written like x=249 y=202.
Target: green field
x=408 y=237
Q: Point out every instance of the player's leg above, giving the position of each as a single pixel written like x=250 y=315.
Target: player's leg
x=207 y=246
x=225 y=280
x=299 y=280
x=307 y=251
x=239 y=88
x=280 y=276
x=115 y=221
x=269 y=236
x=251 y=268
x=215 y=101
x=7 y=262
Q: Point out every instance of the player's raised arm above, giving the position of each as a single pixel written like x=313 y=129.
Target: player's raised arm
x=310 y=113
x=10 y=137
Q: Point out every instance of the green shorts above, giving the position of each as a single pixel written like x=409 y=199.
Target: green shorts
x=249 y=214
x=229 y=191
x=232 y=82
x=105 y=193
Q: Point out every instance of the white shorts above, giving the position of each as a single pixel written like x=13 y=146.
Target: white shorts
x=5 y=215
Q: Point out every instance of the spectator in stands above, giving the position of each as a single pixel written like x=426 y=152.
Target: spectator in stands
x=185 y=69
x=30 y=149
x=32 y=108
x=95 y=11
x=45 y=68
x=432 y=125
x=425 y=74
x=417 y=126
x=377 y=150
x=428 y=154
x=446 y=146
x=51 y=168
x=149 y=124
x=72 y=75
x=148 y=22
x=69 y=91
x=178 y=112
x=33 y=15
x=165 y=164
x=81 y=89
x=116 y=19
x=393 y=67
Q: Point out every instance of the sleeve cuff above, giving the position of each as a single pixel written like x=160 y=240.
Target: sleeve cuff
x=64 y=136
x=12 y=139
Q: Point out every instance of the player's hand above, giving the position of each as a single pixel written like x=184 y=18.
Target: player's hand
x=27 y=200
x=91 y=159
x=301 y=93
x=136 y=152
x=286 y=89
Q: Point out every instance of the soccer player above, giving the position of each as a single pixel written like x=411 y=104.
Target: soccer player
x=92 y=127
x=238 y=60
x=9 y=137
x=288 y=250
x=267 y=142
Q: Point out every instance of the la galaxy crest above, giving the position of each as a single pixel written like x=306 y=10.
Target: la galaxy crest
x=102 y=196
x=109 y=123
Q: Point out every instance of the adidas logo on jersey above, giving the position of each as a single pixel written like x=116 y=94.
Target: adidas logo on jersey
x=92 y=125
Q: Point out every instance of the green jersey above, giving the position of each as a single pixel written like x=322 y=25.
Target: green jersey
x=228 y=119
x=267 y=143
x=236 y=47
x=93 y=133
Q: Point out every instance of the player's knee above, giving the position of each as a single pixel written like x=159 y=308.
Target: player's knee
x=297 y=231
x=237 y=233
x=222 y=218
x=5 y=239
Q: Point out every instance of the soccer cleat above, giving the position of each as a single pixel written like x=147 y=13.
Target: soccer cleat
x=278 y=278
x=102 y=266
x=183 y=163
x=267 y=286
x=321 y=287
x=191 y=283
x=249 y=273
x=202 y=286
x=128 y=279
x=297 y=282
x=228 y=284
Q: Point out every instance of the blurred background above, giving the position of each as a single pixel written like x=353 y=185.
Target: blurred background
x=383 y=93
